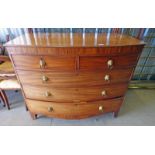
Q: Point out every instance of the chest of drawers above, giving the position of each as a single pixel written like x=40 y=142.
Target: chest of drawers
x=74 y=77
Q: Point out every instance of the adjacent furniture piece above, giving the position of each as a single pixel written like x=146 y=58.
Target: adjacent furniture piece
x=10 y=84
x=8 y=79
x=74 y=76
x=4 y=98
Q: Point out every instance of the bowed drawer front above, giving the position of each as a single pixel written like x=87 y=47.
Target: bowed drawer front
x=73 y=111
x=73 y=94
x=77 y=78
x=74 y=79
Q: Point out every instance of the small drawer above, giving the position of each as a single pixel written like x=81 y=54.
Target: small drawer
x=70 y=94
x=60 y=63
x=44 y=62
x=73 y=79
x=26 y=62
x=106 y=63
x=73 y=111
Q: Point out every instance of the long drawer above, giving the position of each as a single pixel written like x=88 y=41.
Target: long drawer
x=73 y=79
x=81 y=94
x=71 y=111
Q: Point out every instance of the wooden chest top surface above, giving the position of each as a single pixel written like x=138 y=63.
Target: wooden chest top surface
x=73 y=40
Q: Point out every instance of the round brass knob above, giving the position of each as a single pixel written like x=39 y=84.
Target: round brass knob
x=100 y=108
x=47 y=94
x=103 y=93
x=42 y=63
x=50 y=109
x=44 y=78
x=110 y=63
x=107 y=78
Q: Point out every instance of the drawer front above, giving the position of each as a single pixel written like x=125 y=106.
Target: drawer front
x=73 y=111
x=26 y=62
x=115 y=62
x=91 y=51
x=74 y=94
x=44 y=62
x=72 y=79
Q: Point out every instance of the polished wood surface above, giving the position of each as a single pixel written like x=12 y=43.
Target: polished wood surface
x=69 y=79
x=73 y=40
x=71 y=63
x=73 y=111
x=94 y=63
x=74 y=76
x=71 y=94
x=80 y=51
x=53 y=63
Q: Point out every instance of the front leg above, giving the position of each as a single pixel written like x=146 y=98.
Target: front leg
x=33 y=116
x=115 y=114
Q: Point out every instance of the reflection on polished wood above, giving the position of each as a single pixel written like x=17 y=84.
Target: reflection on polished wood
x=74 y=75
x=74 y=40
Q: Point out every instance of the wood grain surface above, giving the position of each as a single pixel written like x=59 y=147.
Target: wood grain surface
x=74 y=78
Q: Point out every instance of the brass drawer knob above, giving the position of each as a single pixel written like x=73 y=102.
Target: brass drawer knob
x=107 y=78
x=50 y=109
x=42 y=63
x=110 y=63
x=100 y=108
x=104 y=93
x=44 y=78
x=47 y=94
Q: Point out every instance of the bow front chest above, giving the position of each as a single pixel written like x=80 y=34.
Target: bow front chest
x=74 y=76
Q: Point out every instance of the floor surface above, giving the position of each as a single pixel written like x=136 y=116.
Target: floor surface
x=137 y=110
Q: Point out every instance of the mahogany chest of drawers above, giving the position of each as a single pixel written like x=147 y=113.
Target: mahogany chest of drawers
x=74 y=76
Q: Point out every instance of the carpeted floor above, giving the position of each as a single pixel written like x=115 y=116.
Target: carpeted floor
x=138 y=109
